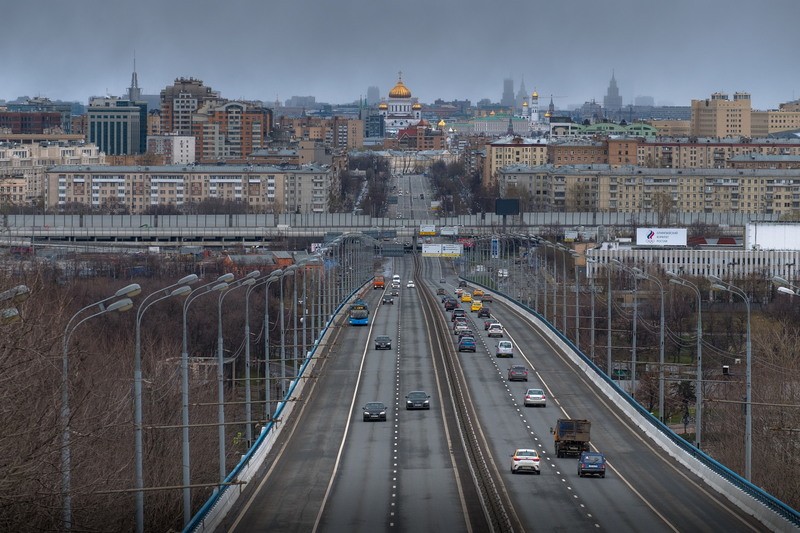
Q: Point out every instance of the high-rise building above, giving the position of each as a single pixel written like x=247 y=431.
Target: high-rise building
x=612 y=101
x=373 y=95
x=44 y=105
x=721 y=117
x=179 y=102
x=508 y=93
x=117 y=126
x=522 y=97
x=230 y=130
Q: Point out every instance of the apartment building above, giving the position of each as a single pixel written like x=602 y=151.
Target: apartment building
x=577 y=152
x=512 y=150
x=179 y=102
x=335 y=132
x=719 y=116
x=265 y=189
x=176 y=149
x=230 y=130
x=629 y=189
x=22 y=166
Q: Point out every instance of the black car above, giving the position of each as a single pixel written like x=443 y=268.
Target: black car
x=462 y=283
x=451 y=304
x=374 y=411
x=383 y=342
x=418 y=400
x=387 y=300
x=484 y=312
x=592 y=464
x=457 y=312
x=440 y=291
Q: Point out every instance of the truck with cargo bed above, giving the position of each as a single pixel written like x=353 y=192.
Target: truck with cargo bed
x=571 y=437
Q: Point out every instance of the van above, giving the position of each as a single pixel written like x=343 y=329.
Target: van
x=504 y=349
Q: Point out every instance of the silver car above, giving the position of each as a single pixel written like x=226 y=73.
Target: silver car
x=535 y=398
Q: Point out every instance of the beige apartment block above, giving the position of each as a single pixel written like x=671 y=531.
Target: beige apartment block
x=672 y=128
x=720 y=116
x=27 y=162
x=265 y=189
x=512 y=150
x=603 y=188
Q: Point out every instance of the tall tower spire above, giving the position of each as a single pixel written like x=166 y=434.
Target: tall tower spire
x=134 y=93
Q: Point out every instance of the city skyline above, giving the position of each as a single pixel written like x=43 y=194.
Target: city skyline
x=250 y=50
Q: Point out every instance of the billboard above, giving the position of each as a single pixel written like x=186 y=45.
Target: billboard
x=442 y=250
x=506 y=206
x=427 y=229
x=431 y=250
x=448 y=230
x=660 y=236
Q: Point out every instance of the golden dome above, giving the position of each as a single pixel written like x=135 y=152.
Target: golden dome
x=535 y=95
x=491 y=114
x=400 y=91
x=383 y=105
x=524 y=104
x=547 y=115
x=416 y=105
x=441 y=123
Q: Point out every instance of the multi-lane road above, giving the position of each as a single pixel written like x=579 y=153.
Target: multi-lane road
x=334 y=472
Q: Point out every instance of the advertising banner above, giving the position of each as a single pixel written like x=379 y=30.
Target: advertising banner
x=661 y=236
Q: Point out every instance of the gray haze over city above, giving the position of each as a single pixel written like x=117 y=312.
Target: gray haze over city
x=335 y=49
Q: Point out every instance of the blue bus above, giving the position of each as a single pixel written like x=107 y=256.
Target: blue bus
x=359 y=313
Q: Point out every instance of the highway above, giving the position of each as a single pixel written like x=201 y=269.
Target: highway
x=334 y=472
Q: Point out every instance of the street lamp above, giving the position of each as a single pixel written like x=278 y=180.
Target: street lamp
x=248 y=280
x=221 y=283
x=698 y=393
x=575 y=255
x=635 y=320
x=644 y=275
x=289 y=271
x=718 y=284
x=124 y=304
x=275 y=275
x=563 y=249
x=180 y=288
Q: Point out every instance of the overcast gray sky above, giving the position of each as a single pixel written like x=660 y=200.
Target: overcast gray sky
x=672 y=50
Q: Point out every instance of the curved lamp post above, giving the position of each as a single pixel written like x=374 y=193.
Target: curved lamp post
x=289 y=271
x=274 y=276
x=122 y=305
x=221 y=283
x=698 y=393
x=180 y=288
x=645 y=275
x=248 y=280
x=718 y=284
x=622 y=265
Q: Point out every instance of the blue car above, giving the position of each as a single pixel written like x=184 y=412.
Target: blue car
x=467 y=344
x=592 y=464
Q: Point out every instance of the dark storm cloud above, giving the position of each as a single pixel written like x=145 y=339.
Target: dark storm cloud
x=334 y=50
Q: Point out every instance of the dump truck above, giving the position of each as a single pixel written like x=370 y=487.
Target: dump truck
x=571 y=437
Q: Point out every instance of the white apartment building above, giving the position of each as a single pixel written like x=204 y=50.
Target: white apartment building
x=177 y=149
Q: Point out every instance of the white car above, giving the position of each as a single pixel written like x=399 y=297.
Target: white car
x=525 y=460
x=504 y=349
x=495 y=330
x=535 y=398
x=410 y=285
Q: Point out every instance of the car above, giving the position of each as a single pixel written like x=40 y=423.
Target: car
x=451 y=304
x=418 y=400
x=477 y=292
x=383 y=342
x=535 y=398
x=495 y=330
x=458 y=292
x=410 y=285
x=458 y=327
x=484 y=312
x=374 y=411
x=457 y=312
x=395 y=284
x=395 y=292
x=466 y=297
x=525 y=460
x=592 y=464
x=488 y=322
x=487 y=298
x=462 y=283
x=440 y=291
x=467 y=344
x=465 y=333
x=504 y=349
x=517 y=373
x=442 y=280
x=475 y=306
x=387 y=300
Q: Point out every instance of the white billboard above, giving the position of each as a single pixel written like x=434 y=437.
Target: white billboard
x=661 y=236
x=427 y=229
x=431 y=250
x=448 y=230
x=452 y=250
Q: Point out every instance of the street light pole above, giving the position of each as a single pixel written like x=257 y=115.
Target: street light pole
x=289 y=271
x=180 y=288
x=698 y=393
x=575 y=255
x=274 y=276
x=122 y=305
x=635 y=320
x=719 y=284
x=563 y=250
x=655 y=280
x=221 y=283
x=246 y=281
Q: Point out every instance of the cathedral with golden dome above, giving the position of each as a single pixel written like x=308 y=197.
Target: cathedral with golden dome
x=400 y=110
